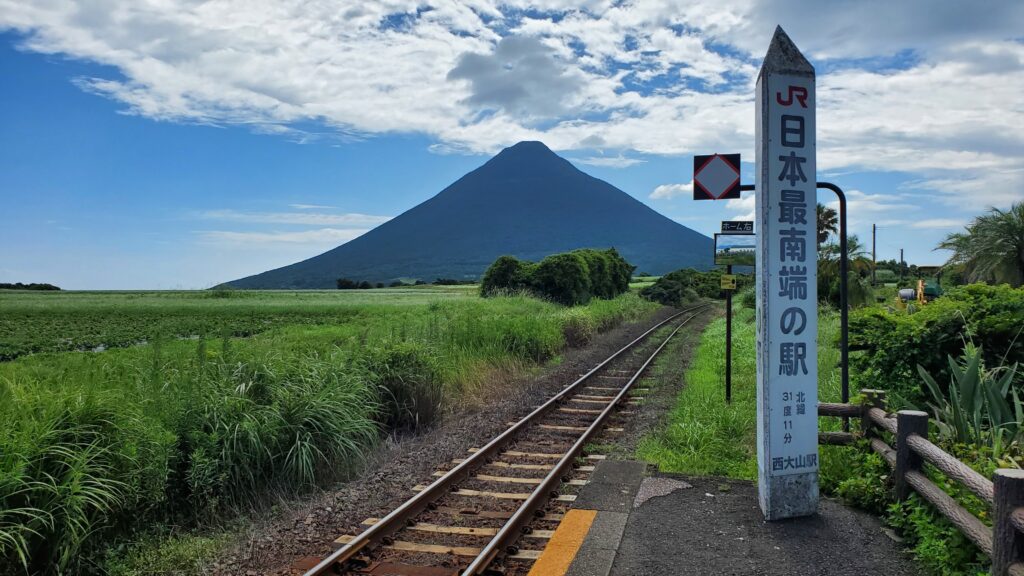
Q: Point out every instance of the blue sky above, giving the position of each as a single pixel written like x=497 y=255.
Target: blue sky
x=154 y=146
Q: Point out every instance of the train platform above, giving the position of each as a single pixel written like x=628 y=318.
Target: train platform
x=632 y=521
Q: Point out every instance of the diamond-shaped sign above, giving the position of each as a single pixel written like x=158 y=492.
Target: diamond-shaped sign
x=716 y=177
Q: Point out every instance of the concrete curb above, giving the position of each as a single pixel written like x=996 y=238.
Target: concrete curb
x=611 y=492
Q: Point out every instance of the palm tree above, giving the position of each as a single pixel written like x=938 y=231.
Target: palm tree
x=826 y=222
x=859 y=291
x=991 y=248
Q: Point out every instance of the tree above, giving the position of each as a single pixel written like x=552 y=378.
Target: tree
x=507 y=273
x=858 y=287
x=991 y=249
x=827 y=219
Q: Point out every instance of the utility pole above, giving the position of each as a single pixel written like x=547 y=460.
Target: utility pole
x=874 y=230
x=901 y=266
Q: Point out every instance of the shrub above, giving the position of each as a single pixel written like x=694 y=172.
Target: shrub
x=890 y=345
x=564 y=278
x=508 y=274
x=686 y=285
x=568 y=278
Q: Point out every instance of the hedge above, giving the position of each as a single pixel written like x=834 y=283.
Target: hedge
x=568 y=278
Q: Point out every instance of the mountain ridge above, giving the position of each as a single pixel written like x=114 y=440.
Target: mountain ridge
x=525 y=201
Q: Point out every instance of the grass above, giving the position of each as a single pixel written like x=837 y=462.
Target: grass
x=706 y=436
x=96 y=447
x=62 y=321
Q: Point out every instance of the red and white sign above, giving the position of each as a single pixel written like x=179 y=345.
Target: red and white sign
x=716 y=177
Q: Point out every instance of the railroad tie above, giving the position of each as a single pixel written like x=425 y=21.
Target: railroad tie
x=499 y=495
x=470 y=551
x=462 y=530
x=514 y=480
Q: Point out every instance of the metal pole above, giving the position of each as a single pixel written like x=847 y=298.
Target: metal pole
x=874 y=233
x=844 y=305
x=844 y=316
x=728 y=340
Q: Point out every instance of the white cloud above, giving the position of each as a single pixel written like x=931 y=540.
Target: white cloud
x=666 y=191
x=609 y=161
x=938 y=223
x=310 y=207
x=317 y=237
x=650 y=77
x=303 y=218
x=745 y=206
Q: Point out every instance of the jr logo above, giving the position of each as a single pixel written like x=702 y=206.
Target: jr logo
x=799 y=92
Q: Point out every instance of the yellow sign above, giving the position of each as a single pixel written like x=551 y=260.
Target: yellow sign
x=728 y=281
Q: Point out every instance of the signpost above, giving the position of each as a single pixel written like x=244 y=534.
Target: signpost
x=735 y=245
x=787 y=328
x=716 y=177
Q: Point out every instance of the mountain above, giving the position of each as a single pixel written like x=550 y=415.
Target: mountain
x=526 y=201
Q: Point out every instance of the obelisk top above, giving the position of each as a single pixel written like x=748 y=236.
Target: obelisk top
x=784 y=57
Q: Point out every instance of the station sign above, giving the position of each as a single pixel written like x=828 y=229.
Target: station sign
x=787 y=312
x=738 y=226
x=716 y=177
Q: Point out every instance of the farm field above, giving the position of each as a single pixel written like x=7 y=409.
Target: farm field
x=127 y=411
x=60 y=321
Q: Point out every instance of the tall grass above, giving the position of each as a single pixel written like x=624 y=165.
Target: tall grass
x=706 y=436
x=95 y=447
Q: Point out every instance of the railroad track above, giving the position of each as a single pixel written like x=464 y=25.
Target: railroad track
x=500 y=504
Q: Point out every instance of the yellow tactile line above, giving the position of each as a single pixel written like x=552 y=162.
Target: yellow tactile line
x=564 y=543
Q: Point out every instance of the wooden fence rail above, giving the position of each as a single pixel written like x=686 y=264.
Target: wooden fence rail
x=1004 y=493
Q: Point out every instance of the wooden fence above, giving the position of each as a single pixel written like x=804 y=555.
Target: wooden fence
x=1004 y=542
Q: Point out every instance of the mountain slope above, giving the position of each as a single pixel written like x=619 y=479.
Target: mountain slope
x=526 y=201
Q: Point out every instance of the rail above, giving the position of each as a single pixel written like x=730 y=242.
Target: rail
x=1003 y=542
x=400 y=517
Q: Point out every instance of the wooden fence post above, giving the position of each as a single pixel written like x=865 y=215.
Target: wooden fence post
x=872 y=399
x=1007 y=534
x=908 y=422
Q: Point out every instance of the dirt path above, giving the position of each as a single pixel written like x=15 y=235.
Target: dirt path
x=307 y=530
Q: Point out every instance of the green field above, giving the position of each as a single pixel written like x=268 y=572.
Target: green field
x=60 y=321
x=200 y=404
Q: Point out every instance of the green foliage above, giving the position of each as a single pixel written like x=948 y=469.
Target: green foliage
x=748 y=298
x=687 y=285
x=30 y=286
x=408 y=383
x=568 y=278
x=96 y=447
x=889 y=345
x=978 y=407
x=938 y=545
x=564 y=278
x=992 y=247
x=507 y=274
x=705 y=435
x=859 y=292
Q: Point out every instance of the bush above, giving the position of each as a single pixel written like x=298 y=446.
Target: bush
x=508 y=274
x=890 y=345
x=568 y=278
x=564 y=278
x=687 y=285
